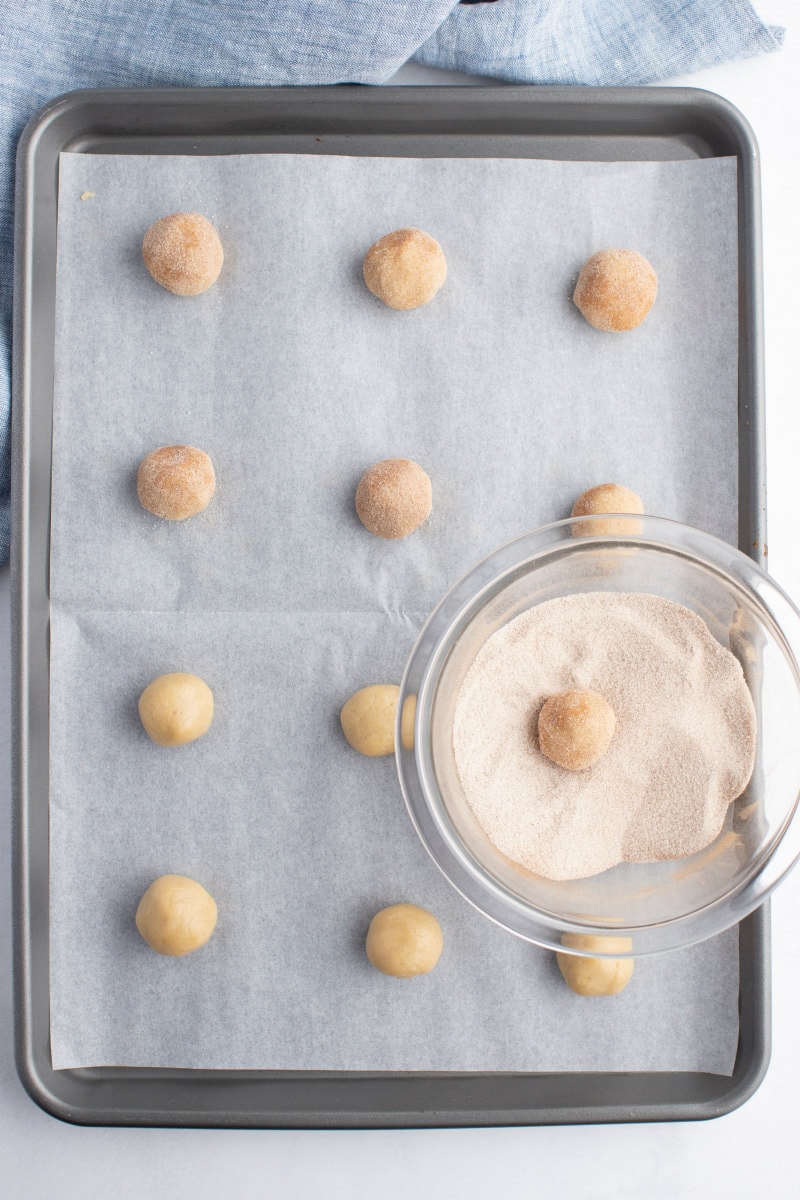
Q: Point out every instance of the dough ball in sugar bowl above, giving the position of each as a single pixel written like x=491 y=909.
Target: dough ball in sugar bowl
x=575 y=729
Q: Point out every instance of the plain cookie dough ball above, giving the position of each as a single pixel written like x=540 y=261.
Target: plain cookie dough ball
x=407 y=722
x=607 y=498
x=575 y=729
x=596 y=976
x=404 y=940
x=175 y=482
x=616 y=290
x=176 y=915
x=394 y=497
x=368 y=719
x=183 y=253
x=405 y=269
x=176 y=708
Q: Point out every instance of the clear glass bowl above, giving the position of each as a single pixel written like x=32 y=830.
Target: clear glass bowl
x=660 y=905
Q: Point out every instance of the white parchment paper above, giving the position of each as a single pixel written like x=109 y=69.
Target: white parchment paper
x=295 y=379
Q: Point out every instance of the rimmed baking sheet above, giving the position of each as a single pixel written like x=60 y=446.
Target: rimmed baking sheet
x=679 y=143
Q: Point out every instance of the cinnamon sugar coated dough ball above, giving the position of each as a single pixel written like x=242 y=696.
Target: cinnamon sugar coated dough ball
x=607 y=498
x=616 y=290
x=175 y=482
x=176 y=915
x=176 y=708
x=404 y=940
x=405 y=269
x=183 y=253
x=394 y=497
x=368 y=718
x=575 y=729
x=596 y=976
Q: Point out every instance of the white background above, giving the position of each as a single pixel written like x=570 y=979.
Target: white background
x=748 y=1152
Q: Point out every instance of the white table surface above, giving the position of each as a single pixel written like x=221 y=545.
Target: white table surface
x=752 y=1151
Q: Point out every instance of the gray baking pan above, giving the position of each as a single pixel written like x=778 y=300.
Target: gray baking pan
x=567 y=123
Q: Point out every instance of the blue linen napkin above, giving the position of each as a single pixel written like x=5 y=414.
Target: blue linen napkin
x=52 y=46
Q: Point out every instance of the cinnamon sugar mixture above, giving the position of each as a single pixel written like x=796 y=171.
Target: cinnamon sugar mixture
x=683 y=748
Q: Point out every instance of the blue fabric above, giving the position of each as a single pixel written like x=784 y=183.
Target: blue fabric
x=606 y=43
x=52 y=46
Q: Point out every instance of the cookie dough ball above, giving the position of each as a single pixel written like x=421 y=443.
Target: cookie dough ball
x=183 y=253
x=176 y=915
x=596 y=976
x=176 y=708
x=607 y=498
x=368 y=719
x=407 y=722
x=405 y=269
x=616 y=290
x=576 y=728
x=404 y=940
x=394 y=497
x=175 y=482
